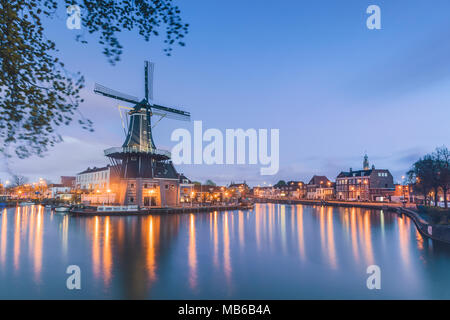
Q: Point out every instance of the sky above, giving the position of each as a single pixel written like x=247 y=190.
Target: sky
x=311 y=69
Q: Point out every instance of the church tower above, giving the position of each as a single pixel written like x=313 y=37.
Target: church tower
x=366 y=162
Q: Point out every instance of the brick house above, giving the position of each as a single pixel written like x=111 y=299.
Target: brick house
x=365 y=185
x=320 y=187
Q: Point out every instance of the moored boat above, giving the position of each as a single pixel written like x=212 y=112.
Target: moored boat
x=26 y=203
x=62 y=209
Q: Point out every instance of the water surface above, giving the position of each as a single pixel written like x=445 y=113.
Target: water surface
x=272 y=252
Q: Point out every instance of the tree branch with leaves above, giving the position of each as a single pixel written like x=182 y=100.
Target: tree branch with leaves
x=37 y=93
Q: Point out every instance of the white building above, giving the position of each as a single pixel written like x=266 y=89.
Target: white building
x=54 y=190
x=95 y=178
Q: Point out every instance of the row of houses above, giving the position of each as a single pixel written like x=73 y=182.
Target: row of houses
x=99 y=185
x=368 y=184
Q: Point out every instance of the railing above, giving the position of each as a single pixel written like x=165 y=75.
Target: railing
x=137 y=150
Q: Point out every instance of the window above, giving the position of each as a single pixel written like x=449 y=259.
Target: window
x=166 y=186
x=145 y=186
x=132 y=185
x=131 y=200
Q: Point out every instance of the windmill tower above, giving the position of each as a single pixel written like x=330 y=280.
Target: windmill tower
x=147 y=176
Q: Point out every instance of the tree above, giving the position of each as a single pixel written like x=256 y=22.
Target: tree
x=19 y=180
x=280 y=183
x=431 y=173
x=421 y=174
x=37 y=93
x=210 y=183
x=442 y=158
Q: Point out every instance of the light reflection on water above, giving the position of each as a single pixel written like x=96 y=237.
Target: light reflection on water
x=274 y=251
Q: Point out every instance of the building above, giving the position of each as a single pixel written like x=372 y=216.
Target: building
x=186 y=189
x=56 y=191
x=291 y=189
x=297 y=189
x=320 y=188
x=264 y=192
x=147 y=176
x=365 y=185
x=204 y=193
x=68 y=181
x=238 y=189
x=93 y=179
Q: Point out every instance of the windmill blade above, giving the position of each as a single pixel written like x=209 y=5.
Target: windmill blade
x=107 y=92
x=154 y=125
x=171 y=113
x=120 y=108
x=149 y=69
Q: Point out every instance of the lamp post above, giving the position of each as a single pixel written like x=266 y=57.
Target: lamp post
x=6 y=187
x=403 y=191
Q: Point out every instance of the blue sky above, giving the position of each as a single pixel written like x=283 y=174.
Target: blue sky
x=309 y=68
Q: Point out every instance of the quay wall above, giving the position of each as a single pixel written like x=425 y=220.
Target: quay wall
x=436 y=232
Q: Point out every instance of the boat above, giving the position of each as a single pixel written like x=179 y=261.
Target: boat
x=62 y=209
x=246 y=205
x=26 y=203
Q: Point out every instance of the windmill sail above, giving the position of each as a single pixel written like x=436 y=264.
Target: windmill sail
x=149 y=69
x=171 y=113
x=99 y=89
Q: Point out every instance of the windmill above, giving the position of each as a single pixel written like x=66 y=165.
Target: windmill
x=138 y=159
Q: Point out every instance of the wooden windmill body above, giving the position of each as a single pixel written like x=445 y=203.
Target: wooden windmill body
x=147 y=175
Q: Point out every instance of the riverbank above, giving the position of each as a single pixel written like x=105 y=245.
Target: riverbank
x=434 y=231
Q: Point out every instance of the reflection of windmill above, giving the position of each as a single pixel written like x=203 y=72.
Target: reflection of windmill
x=138 y=158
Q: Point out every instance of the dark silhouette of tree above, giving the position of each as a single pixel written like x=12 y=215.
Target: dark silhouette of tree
x=431 y=173
x=280 y=183
x=19 y=180
x=210 y=183
x=37 y=93
x=442 y=158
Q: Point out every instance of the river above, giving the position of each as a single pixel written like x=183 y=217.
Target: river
x=272 y=252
